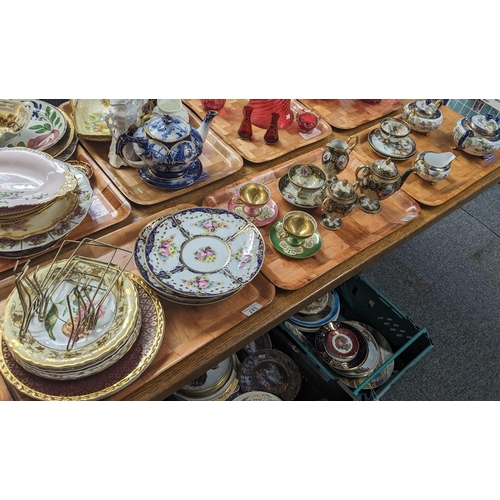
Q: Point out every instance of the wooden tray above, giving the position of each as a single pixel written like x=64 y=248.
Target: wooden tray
x=465 y=168
x=218 y=161
x=188 y=328
x=226 y=124
x=109 y=207
x=358 y=232
x=351 y=113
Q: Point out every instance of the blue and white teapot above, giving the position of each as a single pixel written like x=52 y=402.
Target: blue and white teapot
x=166 y=144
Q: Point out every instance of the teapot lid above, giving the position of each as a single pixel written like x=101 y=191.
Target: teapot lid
x=343 y=190
x=484 y=125
x=427 y=109
x=385 y=169
x=167 y=128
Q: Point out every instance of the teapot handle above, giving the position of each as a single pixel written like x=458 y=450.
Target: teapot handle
x=353 y=138
x=123 y=141
x=468 y=133
x=361 y=167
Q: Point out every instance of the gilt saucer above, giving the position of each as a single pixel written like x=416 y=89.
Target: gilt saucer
x=290 y=194
x=268 y=213
x=308 y=248
x=401 y=150
x=192 y=174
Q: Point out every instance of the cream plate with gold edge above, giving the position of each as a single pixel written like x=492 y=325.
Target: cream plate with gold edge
x=41 y=222
x=29 y=177
x=89 y=116
x=44 y=344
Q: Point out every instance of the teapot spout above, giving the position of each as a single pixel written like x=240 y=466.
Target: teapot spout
x=205 y=124
x=407 y=173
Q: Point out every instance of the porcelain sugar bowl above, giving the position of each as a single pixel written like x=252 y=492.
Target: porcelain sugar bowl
x=339 y=202
x=377 y=181
x=423 y=116
x=432 y=166
x=168 y=149
x=478 y=135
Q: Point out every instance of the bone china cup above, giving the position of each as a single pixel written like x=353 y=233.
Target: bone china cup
x=298 y=226
x=394 y=129
x=253 y=196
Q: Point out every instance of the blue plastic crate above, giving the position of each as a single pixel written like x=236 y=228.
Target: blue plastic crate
x=362 y=302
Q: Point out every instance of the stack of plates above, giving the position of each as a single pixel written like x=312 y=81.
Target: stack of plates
x=318 y=313
x=43 y=349
x=200 y=255
x=217 y=384
x=50 y=129
x=42 y=199
x=354 y=351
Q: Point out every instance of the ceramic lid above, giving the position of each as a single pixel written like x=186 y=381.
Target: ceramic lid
x=342 y=190
x=167 y=128
x=484 y=125
x=427 y=109
x=385 y=169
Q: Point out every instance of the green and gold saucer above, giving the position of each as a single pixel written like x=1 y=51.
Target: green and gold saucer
x=308 y=248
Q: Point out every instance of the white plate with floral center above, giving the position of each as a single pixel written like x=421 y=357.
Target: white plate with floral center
x=29 y=177
x=46 y=127
x=45 y=343
x=204 y=252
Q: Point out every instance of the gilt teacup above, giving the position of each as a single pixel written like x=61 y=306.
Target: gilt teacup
x=297 y=227
x=253 y=196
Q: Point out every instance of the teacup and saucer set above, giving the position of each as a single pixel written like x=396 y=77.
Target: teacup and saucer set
x=392 y=139
x=253 y=201
x=296 y=235
x=303 y=185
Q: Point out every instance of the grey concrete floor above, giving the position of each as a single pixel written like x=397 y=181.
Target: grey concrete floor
x=447 y=280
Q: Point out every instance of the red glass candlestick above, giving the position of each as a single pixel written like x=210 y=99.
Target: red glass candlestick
x=245 y=130
x=271 y=135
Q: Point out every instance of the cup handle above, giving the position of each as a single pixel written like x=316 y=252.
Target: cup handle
x=236 y=200
x=353 y=138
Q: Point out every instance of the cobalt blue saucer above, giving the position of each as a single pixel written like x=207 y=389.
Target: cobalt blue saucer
x=193 y=173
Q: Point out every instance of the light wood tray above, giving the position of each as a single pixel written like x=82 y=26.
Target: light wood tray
x=359 y=231
x=228 y=121
x=465 y=168
x=351 y=113
x=108 y=207
x=218 y=161
x=188 y=328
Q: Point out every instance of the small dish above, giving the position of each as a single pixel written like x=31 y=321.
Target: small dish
x=272 y=371
x=309 y=246
x=401 y=150
x=46 y=127
x=290 y=194
x=268 y=213
x=192 y=174
x=312 y=321
x=341 y=344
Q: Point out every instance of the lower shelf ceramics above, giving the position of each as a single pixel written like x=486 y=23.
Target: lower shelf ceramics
x=308 y=248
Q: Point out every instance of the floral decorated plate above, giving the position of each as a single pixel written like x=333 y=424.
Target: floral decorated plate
x=204 y=252
x=257 y=396
x=270 y=370
x=45 y=343
x=57 y=149
x=148 y=276
x=90 y=118
x=47 y=126
x=29 y=177
x=16 y=248
x=107 y=382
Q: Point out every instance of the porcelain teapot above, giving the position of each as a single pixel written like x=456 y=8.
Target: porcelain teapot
x=432 y=166
x=377 y=181
x=423 y=116
x=478 y=135
x=166 y=144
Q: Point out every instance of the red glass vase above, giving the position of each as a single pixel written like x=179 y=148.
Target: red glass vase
x=245 y=130
x=262 y=109
x=213 y=104
x=271 y=136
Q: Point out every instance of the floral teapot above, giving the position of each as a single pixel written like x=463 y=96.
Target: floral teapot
x=377 y=181
x=167 y=145
x=423 y=116
x=478 y=135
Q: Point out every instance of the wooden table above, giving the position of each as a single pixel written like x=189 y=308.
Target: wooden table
x=285 y=303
